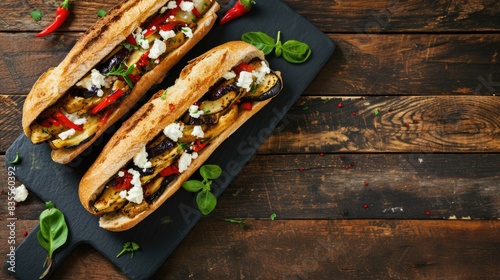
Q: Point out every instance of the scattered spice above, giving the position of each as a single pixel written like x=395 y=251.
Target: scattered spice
x=339 y=105
x=25 y=233
x=347 y=166
x=407 y=124
x=354 y=113
x=365 y=206
x=302 y=169
x=427 y=213
x=415 y=121
x=321 y=154
x=366 y=183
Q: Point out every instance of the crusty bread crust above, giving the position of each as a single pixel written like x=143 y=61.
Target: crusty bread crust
x=194 y=81
x=104 y=36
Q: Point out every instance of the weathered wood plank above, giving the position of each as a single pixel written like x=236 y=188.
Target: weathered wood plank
x=389 y=124
x=409 y=186
x=316 y=249
x=399 y=64
x=360 y=16
x=380 y=124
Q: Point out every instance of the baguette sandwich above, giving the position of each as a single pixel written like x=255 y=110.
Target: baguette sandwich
x=109 y=69
x=170 y=137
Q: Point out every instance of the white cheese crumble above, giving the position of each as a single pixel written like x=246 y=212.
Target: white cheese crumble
x=141 y=159
x=172 y=5
x=229 y=75
x=187 y=31
x=67 y=134
x=75 y=118
x=135 y=194
x=186 y=6
x=21 y=193
x=121 y=174
x=167 y=34
x=173 y=131
x=185 y=161
x=245 y=80
x=198 y=131
x=143 y=43
x=94 y=79
x=195 y=112
x=261 y=72
x=158 y=48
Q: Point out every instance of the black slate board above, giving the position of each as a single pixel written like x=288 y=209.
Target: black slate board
x=162 y=231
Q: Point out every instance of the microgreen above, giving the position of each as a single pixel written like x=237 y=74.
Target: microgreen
x=120 y=71
x=53 y=232
x=241 y=223
x=273 y=216
x=377 y=112
x=37 y=15
x=205 y=200
x=164 y=94
x=292 y=51
x=101 y=13
x=16 y=160
x=128 y=247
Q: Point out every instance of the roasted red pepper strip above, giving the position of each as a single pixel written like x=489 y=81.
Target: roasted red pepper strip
x=155 y=23
x=169 y=170
x=144 y=60
x=243 y=66
x=62 y=14
x=104 y=118
x=198 y=145
x=63 y=120
x=240 y=8
x=247 y=105
x=112 y=97
x=131 y=40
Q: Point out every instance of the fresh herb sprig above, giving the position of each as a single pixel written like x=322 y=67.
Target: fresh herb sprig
x=16 y=160
x=120 y=71
x=37 y=15
x=53 y=232
x=241 y=223
x=128 y=247
x=205 y=199
x=292 y=51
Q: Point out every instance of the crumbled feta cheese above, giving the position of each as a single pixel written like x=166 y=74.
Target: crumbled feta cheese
x=261 y=72
x=186 y=6
x=185 y=161
x=136 y=177
x=187 y=31
x=75 y=118
x=158 y=48
x=121 y=174
x=173 y=131
x=141 y=159
x=167 y=34
x=229 y=75
x=198 y=131
x=143 y=43
x=100 y=93
x=194 y=111
x=172 y=5
x=98 y=79
x=21 y=193
x=67 y=134
x=134 y=195
x=138 y=34
x=245 y=80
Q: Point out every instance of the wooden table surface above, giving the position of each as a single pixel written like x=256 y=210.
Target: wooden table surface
x=401 y=182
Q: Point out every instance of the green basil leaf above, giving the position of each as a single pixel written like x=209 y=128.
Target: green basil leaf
x=53 y=231
x=37 y=15
x=279 y=49
x=193 y=185
x=295 y=51
x=261 y=40
x=210 y=171
x=206 y=201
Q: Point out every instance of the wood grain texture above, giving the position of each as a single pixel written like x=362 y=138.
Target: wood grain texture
x=316 y=249
x=339 y=16
x=362 y=64
x=426 y=124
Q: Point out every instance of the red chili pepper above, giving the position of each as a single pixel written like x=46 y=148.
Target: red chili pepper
x=144 y=60
x=240 y=8
x=62 y=119
x=169 y=170
x=246 y=105
x=112 y=97
x=198 y=145
x=62 y=14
